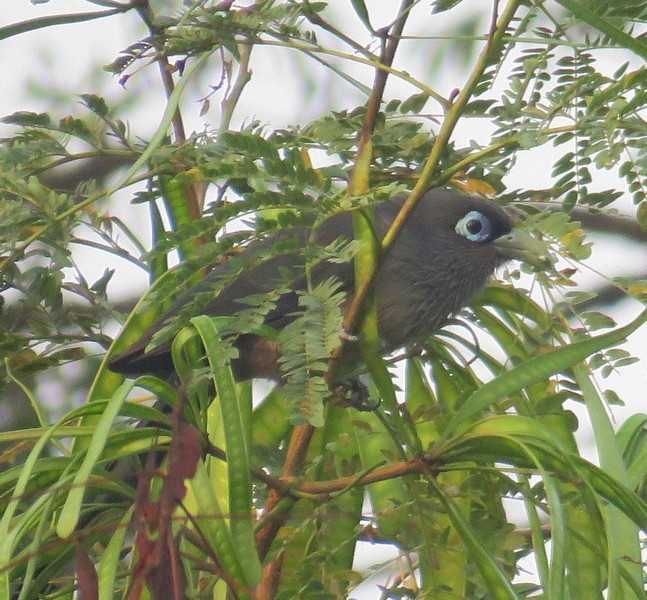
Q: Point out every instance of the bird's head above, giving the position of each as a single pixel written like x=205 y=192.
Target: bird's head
x=447 y=250
x=465 y=227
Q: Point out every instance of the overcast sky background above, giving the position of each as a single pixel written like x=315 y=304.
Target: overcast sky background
x=59 y=62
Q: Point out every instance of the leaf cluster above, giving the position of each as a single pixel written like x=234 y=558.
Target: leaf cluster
x=281 y=494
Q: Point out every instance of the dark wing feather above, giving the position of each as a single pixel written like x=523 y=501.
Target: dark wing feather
x=261 y=278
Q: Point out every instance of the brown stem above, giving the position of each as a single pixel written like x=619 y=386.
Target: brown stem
x=427 y=179
x=297 y=450
x=266 y=590
x=146 y=13
x=232 y=96
x=193 y=193
x=285 y=486
x=416 y=465
x=379 y=83
x=268 y=587
x=360 y=177
x=302 y=435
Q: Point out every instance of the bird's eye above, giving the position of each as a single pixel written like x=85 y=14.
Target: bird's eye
x=475 y=227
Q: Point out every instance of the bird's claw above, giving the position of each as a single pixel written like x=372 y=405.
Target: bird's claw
x=353 y=392
x=348 y=337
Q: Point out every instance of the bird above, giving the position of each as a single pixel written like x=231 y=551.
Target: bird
x=446 y=251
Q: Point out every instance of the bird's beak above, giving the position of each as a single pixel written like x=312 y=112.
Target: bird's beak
x=520 y=246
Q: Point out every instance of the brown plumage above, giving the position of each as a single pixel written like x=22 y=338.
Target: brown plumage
x=445 y=253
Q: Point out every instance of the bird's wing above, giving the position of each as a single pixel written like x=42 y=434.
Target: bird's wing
x=259 y=276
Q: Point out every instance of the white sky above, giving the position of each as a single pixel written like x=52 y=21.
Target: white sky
x=63 y=58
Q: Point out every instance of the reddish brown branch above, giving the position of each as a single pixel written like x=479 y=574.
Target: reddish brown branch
x=302 y=435
x=193 y=193
x=299 y=443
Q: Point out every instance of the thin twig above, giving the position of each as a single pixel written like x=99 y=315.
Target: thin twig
x=316 y=19
x=375 y=63
x=427 y=179
x=289 y=487
x=231 y=99
x=193 y=192
x=302 y=435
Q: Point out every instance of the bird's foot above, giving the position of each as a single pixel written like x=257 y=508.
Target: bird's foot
x=348 y=337
x=353 y=392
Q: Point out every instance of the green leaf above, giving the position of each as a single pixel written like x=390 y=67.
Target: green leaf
x=414 y=104
x=213 y=524
x=307 y=344
x=538 y=368
x=443 y=5
x=109 y=566
x=641 y=215
x=375 y=443
x=43 y=22
x=237 y=436
x=71 y=509
x=338 y=522
x=26 y=118
x=271 y=419
x=497 y=581
x=623 y=537
x=636 y=45
x=361 y=11
x=96 y=104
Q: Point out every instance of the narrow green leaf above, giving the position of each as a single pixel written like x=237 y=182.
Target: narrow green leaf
x=105 y=380
x=33 y=400
x=536 y=369
x=43 y=22
x=179 y=209
x=375 y=446
x=362 y=12
x=271 y=419
x=629 y=434
x=637 y=468
x=158 y=262
x=621 y=38
x=366 y=261
x=622 y=535
x=237 y=445
x=514 y=300
x=165 y=122
x=535 y=524
x=492 y=438
x=420 y=398
x=496 y=580
x=558 y=528
x=37 y=511
x=363 y=89
x=71 y=509
x=37 y=543
x=212 y=522
x=610 y=488
x=109 y=565
x=338 y=525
